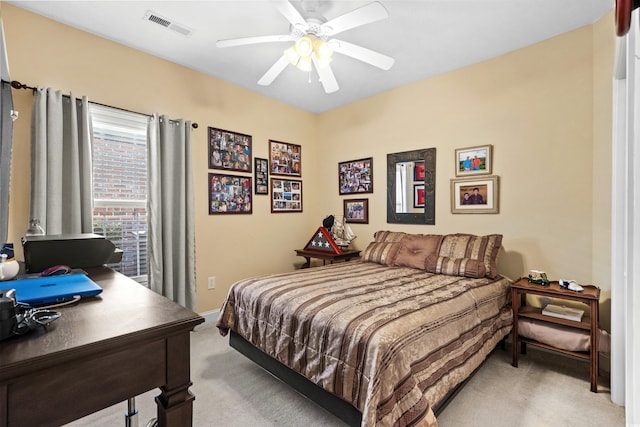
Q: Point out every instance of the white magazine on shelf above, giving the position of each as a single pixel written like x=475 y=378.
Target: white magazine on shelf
x=563 y=312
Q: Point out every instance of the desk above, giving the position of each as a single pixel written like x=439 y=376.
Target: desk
x=324 y=256
x=101 y=351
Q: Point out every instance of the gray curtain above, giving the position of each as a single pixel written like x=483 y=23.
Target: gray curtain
x=6 y=138
x=61 y=182
x=171 y=238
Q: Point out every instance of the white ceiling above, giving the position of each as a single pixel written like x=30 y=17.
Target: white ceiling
x=426 y=38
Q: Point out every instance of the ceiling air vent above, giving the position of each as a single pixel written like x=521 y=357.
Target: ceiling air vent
x=167 y=23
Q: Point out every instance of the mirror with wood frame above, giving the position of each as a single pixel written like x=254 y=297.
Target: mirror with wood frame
x=411 y=187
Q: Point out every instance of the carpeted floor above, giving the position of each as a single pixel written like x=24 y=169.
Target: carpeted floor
x=546 y=389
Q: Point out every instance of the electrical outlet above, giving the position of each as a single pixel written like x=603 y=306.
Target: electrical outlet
x=211 y=283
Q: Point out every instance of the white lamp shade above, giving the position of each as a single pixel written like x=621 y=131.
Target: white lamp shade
x=304 y=46
x=292 y=56
x=304 y=63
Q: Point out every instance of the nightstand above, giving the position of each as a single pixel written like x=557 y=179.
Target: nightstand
x=590 y=296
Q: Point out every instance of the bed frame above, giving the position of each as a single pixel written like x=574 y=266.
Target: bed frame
x=330 y=402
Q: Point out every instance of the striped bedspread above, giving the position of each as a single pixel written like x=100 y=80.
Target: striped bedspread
x=392 y=341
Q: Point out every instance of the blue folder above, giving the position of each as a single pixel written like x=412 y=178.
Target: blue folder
x=52 y=289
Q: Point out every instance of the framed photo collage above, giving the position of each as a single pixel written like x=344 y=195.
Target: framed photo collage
x=231 y=193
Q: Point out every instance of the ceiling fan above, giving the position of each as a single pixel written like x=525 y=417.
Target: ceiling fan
x=313 y=42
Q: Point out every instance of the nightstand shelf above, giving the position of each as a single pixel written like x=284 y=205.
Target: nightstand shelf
x=578 y=354
x=590 y=296
x=536 y=313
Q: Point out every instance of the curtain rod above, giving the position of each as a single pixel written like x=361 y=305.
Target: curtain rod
x=17 y=85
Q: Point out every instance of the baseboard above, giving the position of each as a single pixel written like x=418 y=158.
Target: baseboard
x=210 y=316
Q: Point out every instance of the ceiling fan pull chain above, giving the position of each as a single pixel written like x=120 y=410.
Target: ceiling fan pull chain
x=309 y=76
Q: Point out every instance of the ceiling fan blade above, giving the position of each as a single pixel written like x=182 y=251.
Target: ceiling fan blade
x=327 y=78
x=367 y=14
x=253 y=40
x=363 y=54
x=288 y=11
x=273 y=72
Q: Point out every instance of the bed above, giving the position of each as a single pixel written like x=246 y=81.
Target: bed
x=384 y=339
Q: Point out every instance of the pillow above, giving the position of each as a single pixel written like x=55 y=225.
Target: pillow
x=415 y=248
x=465 y=267
x=388 y=236
x=481 y=248
x=381 y=252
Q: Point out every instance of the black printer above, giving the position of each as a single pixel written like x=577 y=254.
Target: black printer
x=75 y=250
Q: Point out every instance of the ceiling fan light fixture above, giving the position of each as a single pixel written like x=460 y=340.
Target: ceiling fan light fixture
x=323 y=51
x=292 y=55
x=308 y=46
x=304 y=63
x=304 y=46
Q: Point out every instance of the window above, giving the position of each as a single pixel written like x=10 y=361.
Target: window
x=120 y=185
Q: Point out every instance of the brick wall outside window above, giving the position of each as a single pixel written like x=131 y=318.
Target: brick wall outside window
x=120 y=185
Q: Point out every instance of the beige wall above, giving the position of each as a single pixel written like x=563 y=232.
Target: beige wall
x=48 y=54
x=536 y=107
x=545 y=109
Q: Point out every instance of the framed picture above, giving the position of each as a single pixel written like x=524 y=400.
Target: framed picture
x=285 y=159
x=286 y=195
x=262 y=176
x=418 y=195
x=229 y=150
x=474 y=195
x=355 y=176
x=473 y=160
x=356 y=210
x=418 y=171
x=229 y=194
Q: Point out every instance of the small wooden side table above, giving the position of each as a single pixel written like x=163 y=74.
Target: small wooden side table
x=324 y=256
x=590 y=296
